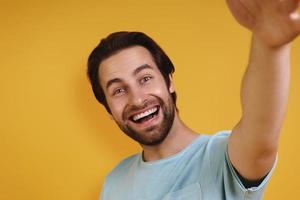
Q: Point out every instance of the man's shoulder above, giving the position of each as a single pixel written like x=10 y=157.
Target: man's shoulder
x=123 y=166
x=218 y=141
x=221 y=134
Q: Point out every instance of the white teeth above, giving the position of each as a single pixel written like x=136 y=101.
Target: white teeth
x=144 y=114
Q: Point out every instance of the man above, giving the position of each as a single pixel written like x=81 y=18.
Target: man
x=131 y=76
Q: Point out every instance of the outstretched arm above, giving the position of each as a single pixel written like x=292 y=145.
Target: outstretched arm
x=254 y=140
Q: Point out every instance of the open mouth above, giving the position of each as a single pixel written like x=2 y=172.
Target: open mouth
x=145 y=116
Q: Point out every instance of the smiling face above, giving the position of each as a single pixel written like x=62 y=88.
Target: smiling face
x=137 y=95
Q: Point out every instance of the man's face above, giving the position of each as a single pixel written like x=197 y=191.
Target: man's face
x=137 y=95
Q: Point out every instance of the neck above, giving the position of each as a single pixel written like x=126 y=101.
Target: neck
x=179 y=137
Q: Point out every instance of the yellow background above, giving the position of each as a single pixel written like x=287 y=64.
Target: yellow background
x=57 y=142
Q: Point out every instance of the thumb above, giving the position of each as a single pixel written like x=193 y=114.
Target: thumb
x=295 y=17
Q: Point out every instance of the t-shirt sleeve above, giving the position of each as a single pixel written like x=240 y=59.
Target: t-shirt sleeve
x=233 y=182
x=232 y=185
x=103 y=194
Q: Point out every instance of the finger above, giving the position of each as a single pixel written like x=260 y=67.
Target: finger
x=252 y=6
x=289 y=5
x=295 y=17
x=240 y=13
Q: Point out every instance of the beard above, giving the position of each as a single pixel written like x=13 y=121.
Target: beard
x=153 y=135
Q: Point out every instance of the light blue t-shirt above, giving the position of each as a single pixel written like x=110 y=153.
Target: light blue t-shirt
x=201 y=171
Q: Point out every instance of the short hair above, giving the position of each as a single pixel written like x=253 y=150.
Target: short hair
x=118 y=41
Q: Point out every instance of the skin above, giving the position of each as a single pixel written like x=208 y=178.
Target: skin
x=253 y=143
x=131 y=90
x=274 y=24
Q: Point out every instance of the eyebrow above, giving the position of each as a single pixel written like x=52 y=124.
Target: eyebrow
x=112 y=81
x=135 y=72
x=141 y=68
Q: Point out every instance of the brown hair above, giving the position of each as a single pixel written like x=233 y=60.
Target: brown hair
x=121 y=40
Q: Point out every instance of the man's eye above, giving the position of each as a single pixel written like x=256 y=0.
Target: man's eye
x=118 y=91
x=145 y=79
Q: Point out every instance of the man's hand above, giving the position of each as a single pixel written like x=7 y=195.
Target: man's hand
x=274 y=22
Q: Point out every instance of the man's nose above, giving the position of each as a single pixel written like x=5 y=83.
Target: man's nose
x=138 y=97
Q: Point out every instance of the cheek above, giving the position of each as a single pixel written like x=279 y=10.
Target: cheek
x=117 y=108
x=160 y=90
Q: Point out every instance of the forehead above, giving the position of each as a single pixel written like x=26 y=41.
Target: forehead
x=123 y=63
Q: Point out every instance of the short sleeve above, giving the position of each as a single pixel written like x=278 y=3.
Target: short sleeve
x=103 y=191
x=224 y=175
x=233 y=183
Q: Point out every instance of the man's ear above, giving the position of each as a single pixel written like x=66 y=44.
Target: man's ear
x=172 y=87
